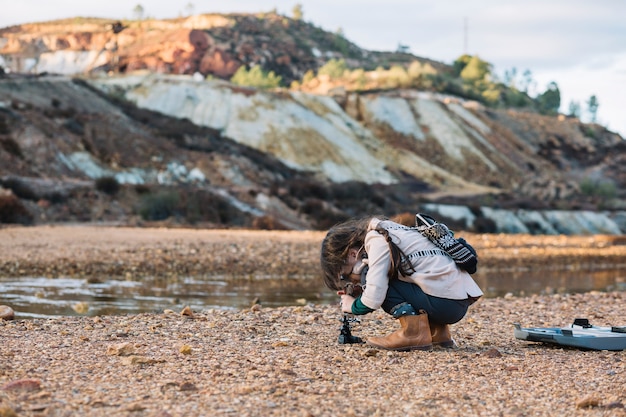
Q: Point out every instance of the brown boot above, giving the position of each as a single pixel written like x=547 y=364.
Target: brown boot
x=414 y=334
x=440 y=334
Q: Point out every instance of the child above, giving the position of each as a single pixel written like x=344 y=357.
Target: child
x=404 y=273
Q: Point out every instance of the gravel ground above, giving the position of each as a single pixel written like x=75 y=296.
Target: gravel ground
x=286 y=361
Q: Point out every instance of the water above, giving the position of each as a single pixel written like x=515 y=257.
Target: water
x=46 y=297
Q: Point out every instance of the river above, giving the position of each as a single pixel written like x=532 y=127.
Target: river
x=33 y=297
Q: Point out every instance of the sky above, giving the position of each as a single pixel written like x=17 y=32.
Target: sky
x=578 y=44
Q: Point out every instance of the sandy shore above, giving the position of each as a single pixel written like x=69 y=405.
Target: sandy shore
x=286 y=361
x=91 y=251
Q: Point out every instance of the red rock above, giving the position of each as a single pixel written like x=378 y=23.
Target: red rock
x=493 y=353
x=25 y=385
x=588 y=402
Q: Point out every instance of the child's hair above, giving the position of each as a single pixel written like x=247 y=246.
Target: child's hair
x=351 y=234
x=336 y=245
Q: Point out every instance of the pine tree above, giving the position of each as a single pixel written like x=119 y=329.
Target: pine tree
x=592 y=108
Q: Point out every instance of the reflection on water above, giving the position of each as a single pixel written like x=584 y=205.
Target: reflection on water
x=497 y=284
x=44 y=297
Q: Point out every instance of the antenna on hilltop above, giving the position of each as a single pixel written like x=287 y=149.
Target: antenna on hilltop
x=465 y=36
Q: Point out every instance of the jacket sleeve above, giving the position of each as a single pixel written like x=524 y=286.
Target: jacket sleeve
x=379 y=260
x=358 y=308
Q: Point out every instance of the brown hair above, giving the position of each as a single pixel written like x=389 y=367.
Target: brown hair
x=335 y=246
x=400 y=264
x=351 y=234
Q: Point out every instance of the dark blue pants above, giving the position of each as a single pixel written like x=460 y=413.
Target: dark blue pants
x=440 y=310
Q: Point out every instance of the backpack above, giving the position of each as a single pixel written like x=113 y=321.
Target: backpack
x=459 y=250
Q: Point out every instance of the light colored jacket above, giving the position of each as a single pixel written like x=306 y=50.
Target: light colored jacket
x=435 y=272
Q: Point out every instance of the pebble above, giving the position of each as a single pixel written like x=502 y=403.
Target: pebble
x=286 y=361
x=6 y=313
x=22 y=385
x=257 y=363
x=588 y=402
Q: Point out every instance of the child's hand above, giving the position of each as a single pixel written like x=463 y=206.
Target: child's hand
x=346 y=302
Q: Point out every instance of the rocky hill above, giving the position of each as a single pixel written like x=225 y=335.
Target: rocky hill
x=86 y=137
x=209 y=44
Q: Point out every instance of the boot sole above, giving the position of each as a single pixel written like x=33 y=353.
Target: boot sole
x=448 y=345
x=403 y=349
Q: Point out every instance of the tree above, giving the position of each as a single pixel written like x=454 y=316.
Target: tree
x=138 y=12
x=403 y=49
x=527 y=81
x=510 y=77
x=460 y=63
x=189 y=8
x=574 y=109
x=592 y=108
x=298 y=14
x=476 y=70
x=549 y=101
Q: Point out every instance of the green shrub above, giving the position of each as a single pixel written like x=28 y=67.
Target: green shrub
x=334 y=69
x=108 y=185
x=515 y=98
x=158 y=206
x=351 y=190
x=304 y=188
x=308 y=76
x=491 y=95
x=397 y=77
x=142 y=189
x=13 y=211
x=268 y=223
x=358 y=77
x=322 y=218
x=484 y=225
x=476 y=70
x=589 y=131
x=188 y=205
x=597 y=188
x=312 y=206
x=256 y=77
x=341 y=44
x=460 y=63
x=549 y=101
x=20 y=188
